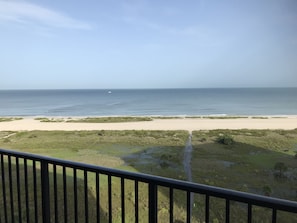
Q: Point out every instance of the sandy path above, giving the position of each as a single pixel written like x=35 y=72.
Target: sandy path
x=188 y=124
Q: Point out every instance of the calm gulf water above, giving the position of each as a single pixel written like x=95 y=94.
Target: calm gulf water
x=167 y=102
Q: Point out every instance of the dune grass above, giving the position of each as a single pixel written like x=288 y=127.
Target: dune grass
x=9 y=119
x=111 y=119
x=224 y=117
x=118 y=119
x=115 y=119
x=43 y=119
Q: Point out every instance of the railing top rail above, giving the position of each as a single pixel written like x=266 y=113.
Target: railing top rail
x=248 y=198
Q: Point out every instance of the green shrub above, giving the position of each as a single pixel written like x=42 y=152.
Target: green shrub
x=225 y=139
x=280 y=168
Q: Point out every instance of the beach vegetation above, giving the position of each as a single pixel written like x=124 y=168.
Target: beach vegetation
x=250 y=161
x=260 y=117
x=224 y=117
x=6 y=140
x=225 y=139
x=43 y=119
x=9 y=119
x=115 y=119
x=169 y=117
x=280 y=169
x=6 y=134
x=156 y=152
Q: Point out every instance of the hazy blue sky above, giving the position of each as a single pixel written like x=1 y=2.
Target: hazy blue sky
x=147 y=43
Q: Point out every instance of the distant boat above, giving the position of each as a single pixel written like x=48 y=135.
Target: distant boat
x=109 y=92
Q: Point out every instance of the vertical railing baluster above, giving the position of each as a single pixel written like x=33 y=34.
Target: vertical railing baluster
x=273 y=215
x=19 y=189
x=109 y=200
x=45 y=192
x=65 y=195
x=171 y=205
x=98 y=197
x=3 y=188
x=55 y=194
x=123 y=198
x=153 y=203
x=75 y=195
x=86 y=196
x=136 y=201
x=26 y=190
x=10 y=189
x=35 y=192
x=189 y=208
x=227 y=211
x=206 y=208
x=249 y=213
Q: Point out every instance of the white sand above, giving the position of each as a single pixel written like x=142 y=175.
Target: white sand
x=189 y=124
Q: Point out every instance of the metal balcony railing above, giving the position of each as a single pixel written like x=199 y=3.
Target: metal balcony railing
x=34 y=188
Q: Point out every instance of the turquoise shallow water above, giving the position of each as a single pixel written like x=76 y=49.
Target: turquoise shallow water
x=167 y=102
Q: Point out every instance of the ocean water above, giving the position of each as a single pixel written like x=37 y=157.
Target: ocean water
x=163 y=102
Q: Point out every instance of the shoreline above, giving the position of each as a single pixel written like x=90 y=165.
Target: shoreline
x=191 y=123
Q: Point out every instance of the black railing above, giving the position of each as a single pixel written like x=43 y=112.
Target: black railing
x=34 y=188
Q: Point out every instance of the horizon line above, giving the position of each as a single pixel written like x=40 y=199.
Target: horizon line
x=159 y=88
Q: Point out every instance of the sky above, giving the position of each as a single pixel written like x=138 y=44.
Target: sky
x=105 y=44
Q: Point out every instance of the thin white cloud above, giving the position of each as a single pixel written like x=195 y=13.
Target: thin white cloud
x=27 y=13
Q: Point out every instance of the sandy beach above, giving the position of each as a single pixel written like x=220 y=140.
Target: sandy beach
x=189 y=124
